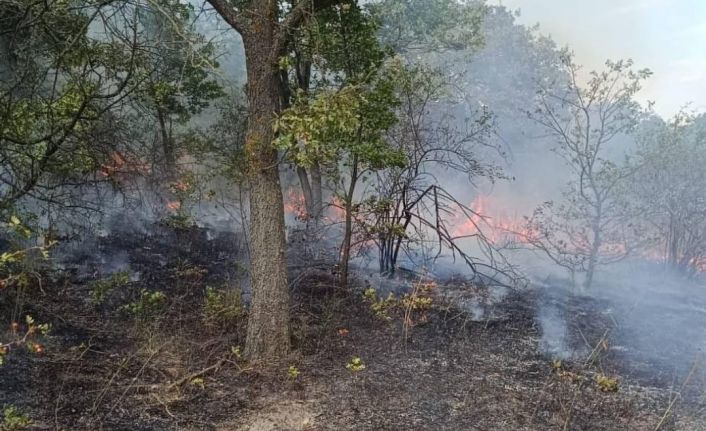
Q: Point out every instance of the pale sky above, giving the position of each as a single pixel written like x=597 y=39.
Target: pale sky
x=666 y=36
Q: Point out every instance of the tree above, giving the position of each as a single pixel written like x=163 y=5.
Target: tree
x=177 y=80
x=440 y=130
x=60 y=99
x=424 y=26
x=339 y=121
x=336 y=47
x=266 y=27
x=345 y=130
x=668 y=190
x=411 y=203
x=505 y=74
x=587 y=229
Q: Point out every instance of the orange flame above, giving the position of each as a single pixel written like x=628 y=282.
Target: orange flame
x=181 y=186
x=294 y=204
x=123 y=164
x=495 y=224
x=338 y=208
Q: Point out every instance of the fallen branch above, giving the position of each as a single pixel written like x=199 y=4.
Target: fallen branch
x=196 y=374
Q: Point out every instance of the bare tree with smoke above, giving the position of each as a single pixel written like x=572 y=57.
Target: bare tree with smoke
x=587 y=228
x=410 y=201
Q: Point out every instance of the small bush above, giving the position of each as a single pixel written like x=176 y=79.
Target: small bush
x=355 y=365
x=293 y=372
x=606 y=383
x=235 y=350
x=20 y=264
x=14 y=419
x=416 y=302
x=381 y=307
x=223 y=308
x=147 y=304
x=101 y=288
x=25 y=336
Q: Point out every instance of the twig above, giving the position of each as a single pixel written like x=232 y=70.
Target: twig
x=196 y=374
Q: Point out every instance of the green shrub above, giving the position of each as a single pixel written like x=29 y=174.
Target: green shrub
x=381 y=307
x=355 y=364
x=147 y=304
x=607 y=383
x=293 y=372
x=27 y=336
x=223 y=308
x=101 y=288
x=14 y=419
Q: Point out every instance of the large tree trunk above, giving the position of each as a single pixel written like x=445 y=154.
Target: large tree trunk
x=265 y=37
x=268 y=324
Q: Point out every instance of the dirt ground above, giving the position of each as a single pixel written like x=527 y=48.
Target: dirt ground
x=443 y=370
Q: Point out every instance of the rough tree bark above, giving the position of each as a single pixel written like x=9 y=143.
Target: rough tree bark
x=265 y=38
x=268 y=325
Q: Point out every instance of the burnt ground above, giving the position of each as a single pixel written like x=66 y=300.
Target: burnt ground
x=450 y=368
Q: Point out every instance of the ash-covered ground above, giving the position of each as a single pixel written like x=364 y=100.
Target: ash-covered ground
x=480 y=359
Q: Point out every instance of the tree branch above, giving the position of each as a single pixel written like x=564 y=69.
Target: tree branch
x=295 y=17
x=229 y=13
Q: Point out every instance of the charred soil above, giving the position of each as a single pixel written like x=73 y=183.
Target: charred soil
x=171 y=364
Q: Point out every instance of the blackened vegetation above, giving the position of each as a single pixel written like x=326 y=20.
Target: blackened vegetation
x=106 y=368
x=656 y=344
x=103 y=359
